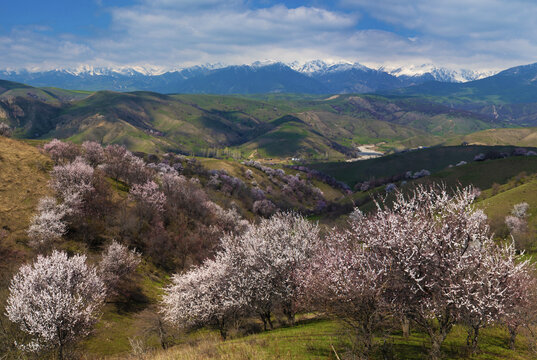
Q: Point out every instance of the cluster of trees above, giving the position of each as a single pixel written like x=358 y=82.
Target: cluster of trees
x=493 y=155
x=171 y=220
x=408 y=175
x=327 y=179
x=428 y=258
x=166 y=216
x=253 y=273
x=292 y=185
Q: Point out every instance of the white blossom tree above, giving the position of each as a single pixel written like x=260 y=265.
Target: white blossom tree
x=56 y=300
x=517 y=224
x=47 y=225
x=117 y=265
x=498 y=289
x=519 y=293
x=5 y=130
x=205 y=295
x=267 y=257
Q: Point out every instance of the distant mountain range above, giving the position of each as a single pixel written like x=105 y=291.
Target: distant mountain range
x=314 y=77
x=271 y=124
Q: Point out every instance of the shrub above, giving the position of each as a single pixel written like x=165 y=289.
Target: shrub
x=5 y=130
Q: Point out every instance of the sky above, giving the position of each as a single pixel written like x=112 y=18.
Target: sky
x=170 y=34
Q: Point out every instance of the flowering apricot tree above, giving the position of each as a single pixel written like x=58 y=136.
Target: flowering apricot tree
x=48 y=224
x=205 y=295
x=56 y=300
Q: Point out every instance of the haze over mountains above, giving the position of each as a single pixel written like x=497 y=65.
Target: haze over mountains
x=314 y=77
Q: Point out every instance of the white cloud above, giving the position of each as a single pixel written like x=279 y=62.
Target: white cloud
x=477 y=34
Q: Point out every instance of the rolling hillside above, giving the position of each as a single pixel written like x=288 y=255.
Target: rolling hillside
x=282 y=126
x=432 y=159
x=507 y=136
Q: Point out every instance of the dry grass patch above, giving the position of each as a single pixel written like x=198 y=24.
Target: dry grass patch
x=23 y=181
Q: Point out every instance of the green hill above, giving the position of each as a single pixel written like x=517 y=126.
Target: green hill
x=508 y=136
x=433 y=159
x=151 y=122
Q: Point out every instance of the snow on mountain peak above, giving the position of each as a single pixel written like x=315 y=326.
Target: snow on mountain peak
x=319 y=66
x=438 y=73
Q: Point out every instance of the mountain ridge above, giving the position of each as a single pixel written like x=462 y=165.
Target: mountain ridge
x=316 y=77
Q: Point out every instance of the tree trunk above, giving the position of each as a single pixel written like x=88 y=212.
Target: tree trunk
x=435 y=352
x=288 y=312
x=270 y=322
x=264 y=322
x=437 y=339
x=405 y=325
x=222 y=329
x=162 y=334
x=512 y=337
x=475 y=338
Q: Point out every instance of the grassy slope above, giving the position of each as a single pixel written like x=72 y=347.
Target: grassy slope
x=432 y=159
x=314 y=340
x=508 y=136
x=484 y=174
x=23 y=181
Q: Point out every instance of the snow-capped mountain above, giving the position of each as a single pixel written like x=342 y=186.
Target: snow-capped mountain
x=316 y=76
x=437 y=73
x=320 y=66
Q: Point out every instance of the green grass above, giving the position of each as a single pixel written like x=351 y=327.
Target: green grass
x=484 y=174
x=318 y=339
x=433 y=159
x=509 y=136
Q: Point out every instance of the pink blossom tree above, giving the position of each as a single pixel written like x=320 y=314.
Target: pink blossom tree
x=264 y=207
x=347 y=281
x=150 y=199
x=61 y=151
x=56 y=300
x=434 y=243
x=121 y=164
x=72 y=182
x=93 y=152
